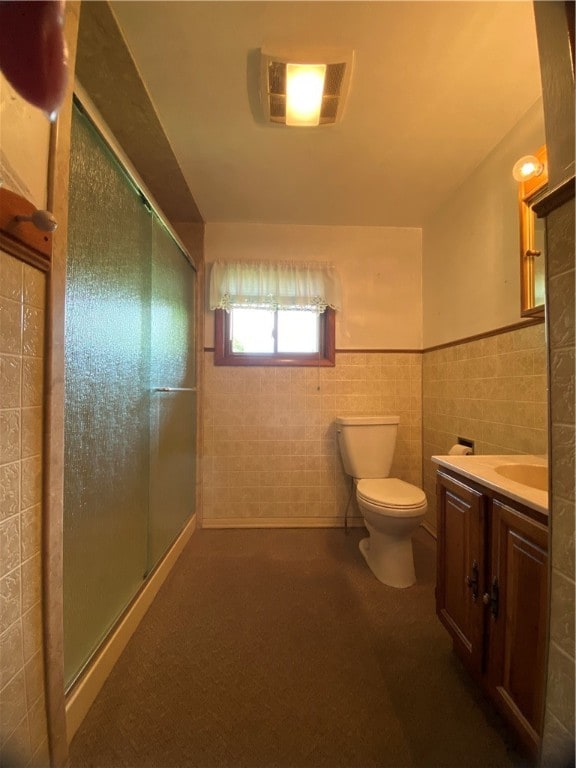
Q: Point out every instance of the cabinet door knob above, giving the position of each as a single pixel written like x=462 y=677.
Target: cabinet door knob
x=472 y=581
x=491 y=598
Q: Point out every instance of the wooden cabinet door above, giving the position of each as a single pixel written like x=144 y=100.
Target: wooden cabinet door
x=460 y=575
x=518 y=621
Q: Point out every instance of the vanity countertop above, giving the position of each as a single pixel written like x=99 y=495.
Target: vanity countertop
x=482 y=470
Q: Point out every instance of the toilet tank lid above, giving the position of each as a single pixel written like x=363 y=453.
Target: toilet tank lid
x=366 y=420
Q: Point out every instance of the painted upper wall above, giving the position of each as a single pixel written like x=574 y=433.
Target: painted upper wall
x=380 y=269
x=24 y=145
x=471 y=251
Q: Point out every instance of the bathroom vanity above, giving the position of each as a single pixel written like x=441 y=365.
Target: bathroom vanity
x=492 y=578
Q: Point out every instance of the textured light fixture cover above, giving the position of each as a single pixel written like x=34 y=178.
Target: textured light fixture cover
x=304 y=91
x=337 y=65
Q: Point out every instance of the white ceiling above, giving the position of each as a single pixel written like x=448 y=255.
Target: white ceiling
x=435 y=86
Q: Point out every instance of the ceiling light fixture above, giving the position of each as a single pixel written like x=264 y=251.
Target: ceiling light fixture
x=304 y=88
x=527 y=167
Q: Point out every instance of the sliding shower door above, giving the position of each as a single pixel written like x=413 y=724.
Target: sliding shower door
x=129 y=394
x=173 y=393
x=107 y=342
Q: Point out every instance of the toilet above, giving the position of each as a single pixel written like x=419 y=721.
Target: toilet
x=392 y=509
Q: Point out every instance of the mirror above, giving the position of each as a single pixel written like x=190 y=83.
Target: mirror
x=532 y=241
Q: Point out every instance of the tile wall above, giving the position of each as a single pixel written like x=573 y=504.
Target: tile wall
x=23 y=732
x=493 y=391
x=270 y=454
x=560 y=725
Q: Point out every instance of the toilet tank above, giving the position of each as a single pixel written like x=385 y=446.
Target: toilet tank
x=367 y=444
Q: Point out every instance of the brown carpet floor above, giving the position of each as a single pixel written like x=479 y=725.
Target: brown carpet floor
x=279 y=649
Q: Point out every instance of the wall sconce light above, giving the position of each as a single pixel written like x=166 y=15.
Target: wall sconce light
x=528 y=167
x=304 y=88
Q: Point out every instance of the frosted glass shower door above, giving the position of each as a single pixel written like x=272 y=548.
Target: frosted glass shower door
x=173 y=393
x=107 y=396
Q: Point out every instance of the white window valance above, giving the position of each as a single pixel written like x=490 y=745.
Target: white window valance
x=274 y=285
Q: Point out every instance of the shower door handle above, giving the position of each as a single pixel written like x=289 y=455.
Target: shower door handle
x=175 y=389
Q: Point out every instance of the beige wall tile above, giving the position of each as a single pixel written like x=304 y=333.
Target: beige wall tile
x=31 y=582
x=11 y=277
x=563 y=537
x=41 y=757
x=31 y=432
x=560 y=689
x=34 y=287
x=32 y=381
x=13 y=709
x=562 y=327
x=32 y=631
x=38 y=729
x=34 y=674
x=558 y=745
x=564 y=464
x=10 y=375
x=33 y=332
x=9 y=436
x=9 y=490
x=562 y=371
x=9 y=545
x=11 y=653
x=10 y=599
x=10 y=326
x=491 y=390
x=31 y=488
x=30 y=532
x=298 y=462
x=22 y=303
x=17 y=746
x=562 y=612
x=560 y=310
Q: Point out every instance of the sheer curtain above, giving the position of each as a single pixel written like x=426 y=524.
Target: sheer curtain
x=274 y=285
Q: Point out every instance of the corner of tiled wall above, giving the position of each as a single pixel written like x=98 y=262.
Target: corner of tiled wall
x=23 y=730
x=558 y=743
x=492 y=390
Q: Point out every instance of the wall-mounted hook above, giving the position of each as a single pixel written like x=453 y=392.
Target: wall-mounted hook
x=43 y=220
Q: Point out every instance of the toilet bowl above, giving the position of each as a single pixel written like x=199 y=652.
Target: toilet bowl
x=392 y=508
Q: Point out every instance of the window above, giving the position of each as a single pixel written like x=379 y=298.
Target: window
x=274 y=337
x=273 y=313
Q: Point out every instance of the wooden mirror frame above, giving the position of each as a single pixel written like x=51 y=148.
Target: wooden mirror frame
x=529 y=192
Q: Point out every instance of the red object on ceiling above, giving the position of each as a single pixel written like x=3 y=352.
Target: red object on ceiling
x=33 y=53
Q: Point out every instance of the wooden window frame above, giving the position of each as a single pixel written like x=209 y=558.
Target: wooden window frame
x=325 y=357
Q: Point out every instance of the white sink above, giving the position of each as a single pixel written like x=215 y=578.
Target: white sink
x=532 y=475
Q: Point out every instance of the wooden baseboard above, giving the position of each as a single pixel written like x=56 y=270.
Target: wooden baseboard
x=281 y=522
x=82 y=695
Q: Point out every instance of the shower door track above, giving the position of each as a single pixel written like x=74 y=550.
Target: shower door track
x=86 y=106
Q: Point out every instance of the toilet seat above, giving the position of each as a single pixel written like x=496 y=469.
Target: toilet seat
x=391 y=496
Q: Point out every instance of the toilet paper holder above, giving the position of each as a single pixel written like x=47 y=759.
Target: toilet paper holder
x=464 y=447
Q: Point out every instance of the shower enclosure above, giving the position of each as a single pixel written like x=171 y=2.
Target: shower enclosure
x=130 y=393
